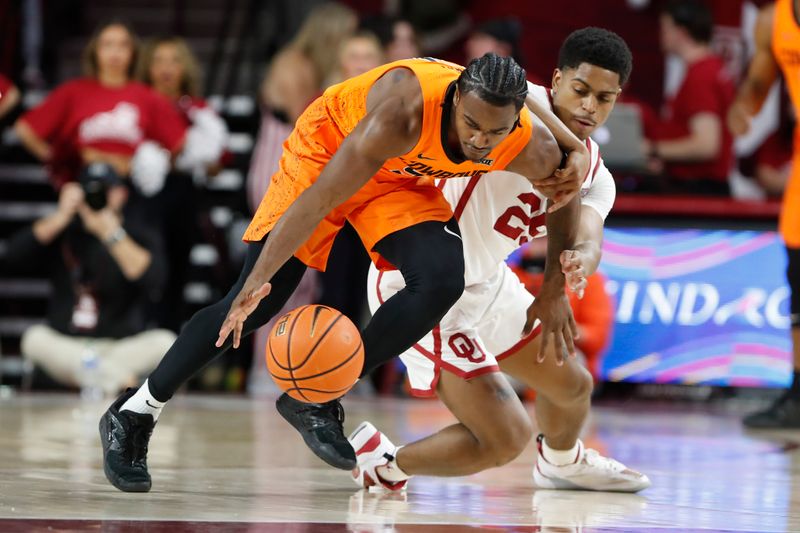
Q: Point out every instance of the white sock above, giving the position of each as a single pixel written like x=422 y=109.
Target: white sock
x=391 y=472
x=142 y=402
x=561 y=457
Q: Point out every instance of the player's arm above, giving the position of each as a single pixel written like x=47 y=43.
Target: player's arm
x=540 y=158
x=578 y=158
x=580 y=262
x=583 y=259
x=389 y=129
x=761 y=74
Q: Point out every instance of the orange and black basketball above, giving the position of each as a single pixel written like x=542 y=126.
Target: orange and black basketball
x=315 y=353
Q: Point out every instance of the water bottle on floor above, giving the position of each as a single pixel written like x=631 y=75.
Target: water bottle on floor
x=90 y=378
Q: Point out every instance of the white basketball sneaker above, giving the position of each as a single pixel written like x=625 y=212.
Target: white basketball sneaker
x=590 y=471
x=373 y=450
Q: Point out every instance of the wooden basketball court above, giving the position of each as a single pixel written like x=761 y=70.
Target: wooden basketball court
x=232 y=464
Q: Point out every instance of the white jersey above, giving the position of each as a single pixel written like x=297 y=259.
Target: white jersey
x=500 y=211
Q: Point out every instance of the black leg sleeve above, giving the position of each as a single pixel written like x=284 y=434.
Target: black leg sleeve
x=195 y=346
x=793 y=277
x=431 y=258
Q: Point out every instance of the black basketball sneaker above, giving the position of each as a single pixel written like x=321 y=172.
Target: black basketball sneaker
x=124 y=436
x=320 y=425
x=784 y=413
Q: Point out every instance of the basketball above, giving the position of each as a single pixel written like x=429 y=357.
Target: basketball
x=315 y=353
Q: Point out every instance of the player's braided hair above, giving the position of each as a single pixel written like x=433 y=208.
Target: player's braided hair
x=497 y=80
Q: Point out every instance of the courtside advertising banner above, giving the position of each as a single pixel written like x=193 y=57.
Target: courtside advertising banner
x=697 y=306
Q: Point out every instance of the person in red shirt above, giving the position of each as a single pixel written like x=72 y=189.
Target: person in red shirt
x=168 y=66
x=105 y=117
x=9 y=96
x=692 y=142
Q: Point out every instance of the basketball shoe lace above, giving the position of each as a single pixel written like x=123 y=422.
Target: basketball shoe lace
x=592 y=457
x=315 y=416
x=140 y=439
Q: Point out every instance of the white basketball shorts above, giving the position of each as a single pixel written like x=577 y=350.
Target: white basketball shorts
x=482 y=328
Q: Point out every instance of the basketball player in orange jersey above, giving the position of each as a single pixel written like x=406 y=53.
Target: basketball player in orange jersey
x=365 y=152
x=482 y=334
x=777 y=39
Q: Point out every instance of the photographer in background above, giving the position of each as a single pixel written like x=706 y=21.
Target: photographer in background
x=105 y=263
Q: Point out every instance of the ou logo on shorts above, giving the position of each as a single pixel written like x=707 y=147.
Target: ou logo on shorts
x=466 y=348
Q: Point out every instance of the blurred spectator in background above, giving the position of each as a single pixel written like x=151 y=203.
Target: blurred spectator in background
x=168 y=66
x=499 y=36
x=105 y=117
x=397 y=36
x=594 y=313
x=9 y=96
x=105 y=262
x=305 y=67
x=359 y=53
x=692 y=143
x=298 y=74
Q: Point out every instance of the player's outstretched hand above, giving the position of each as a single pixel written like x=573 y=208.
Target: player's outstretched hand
x=552 y=309
x=243 y=305
x=572 y=268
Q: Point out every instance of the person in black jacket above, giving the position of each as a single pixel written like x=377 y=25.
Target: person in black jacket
x=106 y=264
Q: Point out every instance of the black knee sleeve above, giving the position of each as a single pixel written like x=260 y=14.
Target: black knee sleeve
x=437 y=273
x=431 y=258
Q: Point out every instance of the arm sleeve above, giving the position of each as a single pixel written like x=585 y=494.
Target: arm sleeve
x=48 y=117
x=166 y=126
x=602 y=191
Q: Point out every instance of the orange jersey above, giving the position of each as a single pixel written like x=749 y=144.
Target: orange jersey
x=347 y=105
x=786 y=49
x=402 y=193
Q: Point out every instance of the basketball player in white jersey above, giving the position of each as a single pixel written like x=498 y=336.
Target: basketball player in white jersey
x=486 y=331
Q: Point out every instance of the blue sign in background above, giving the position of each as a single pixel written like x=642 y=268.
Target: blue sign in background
x=697 y=307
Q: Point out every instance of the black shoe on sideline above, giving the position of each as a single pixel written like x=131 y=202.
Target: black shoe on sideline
x=124 y=436
x=320 y=425
x=783 y=414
